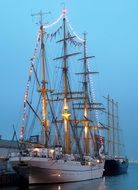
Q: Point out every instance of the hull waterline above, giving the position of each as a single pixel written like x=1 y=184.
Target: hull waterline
x=42 y=170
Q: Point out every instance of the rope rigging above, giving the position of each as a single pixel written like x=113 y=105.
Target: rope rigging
x=56 y=85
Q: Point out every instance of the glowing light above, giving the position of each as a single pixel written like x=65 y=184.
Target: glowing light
x=59 y=175
x=65 y=125
x=66 y=115
x=85 y=112
x=64 y=11
x=65 y=107
x=29 y=79
x=86 y=131
x=43 y=109
x=36 y=149
x=98 y=161
x=89 y=163
x=51 y=151
x=59 y=187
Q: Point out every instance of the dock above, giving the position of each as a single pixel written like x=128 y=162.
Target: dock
x=8 y=179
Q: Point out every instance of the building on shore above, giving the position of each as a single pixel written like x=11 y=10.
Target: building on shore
x=6 y=148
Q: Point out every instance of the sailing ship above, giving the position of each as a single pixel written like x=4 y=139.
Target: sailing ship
x=115 y=161
x=69 y=147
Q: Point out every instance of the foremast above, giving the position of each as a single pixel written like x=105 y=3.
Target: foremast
x=43 y=88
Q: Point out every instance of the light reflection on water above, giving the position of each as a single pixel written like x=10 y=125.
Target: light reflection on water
x=122 y=182
x=97 y=184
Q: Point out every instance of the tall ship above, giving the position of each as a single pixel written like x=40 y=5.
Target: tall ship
x=68 y=146
x=116 y=161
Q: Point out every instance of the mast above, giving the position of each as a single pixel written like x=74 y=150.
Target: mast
x=86 y=105
x=113 y=127
x=65 y=113
x=108 y=123
x=66 y=95
x=109 y=126
x=43 y=89
x=117 y=128
x=85 y=86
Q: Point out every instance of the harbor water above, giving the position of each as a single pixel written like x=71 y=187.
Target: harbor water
x=127 y=181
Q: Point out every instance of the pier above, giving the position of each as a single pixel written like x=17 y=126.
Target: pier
x=18 y=176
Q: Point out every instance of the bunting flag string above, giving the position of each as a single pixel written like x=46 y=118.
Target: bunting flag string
x=53 y=35
x=72 y=41
x=55 y=22
x=71 y=28
x=91 y=81
x=33 y=59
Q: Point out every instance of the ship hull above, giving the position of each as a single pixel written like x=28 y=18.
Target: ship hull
x=115 y=166
x=43 y=170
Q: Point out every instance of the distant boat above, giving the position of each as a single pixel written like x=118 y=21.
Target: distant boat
x=70 y=152
x=115 y=166
x=115 y=162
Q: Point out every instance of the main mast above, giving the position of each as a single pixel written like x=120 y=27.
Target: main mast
x=65 y=113
x=85 y=86
x=67 y=93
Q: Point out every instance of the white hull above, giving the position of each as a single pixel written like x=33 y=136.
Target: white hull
x=44 y=170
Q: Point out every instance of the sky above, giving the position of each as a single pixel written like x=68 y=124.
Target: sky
x=112 y=31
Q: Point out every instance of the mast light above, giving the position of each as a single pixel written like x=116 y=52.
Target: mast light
x=66 y=115
x=64 y=11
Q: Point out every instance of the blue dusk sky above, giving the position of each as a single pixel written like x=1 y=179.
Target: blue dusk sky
x=112 y=27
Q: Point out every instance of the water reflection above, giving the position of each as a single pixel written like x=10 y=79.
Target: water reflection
x=97 y=184
x=127 y=182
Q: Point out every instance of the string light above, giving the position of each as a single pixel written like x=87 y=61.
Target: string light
x=28 y=84
x=71 y=28
x=64 y=11
x=91 y=81
x=55 y=22
x=34 y=59
x=93 y=96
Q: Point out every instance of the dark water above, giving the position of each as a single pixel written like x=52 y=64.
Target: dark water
x=128 y=181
